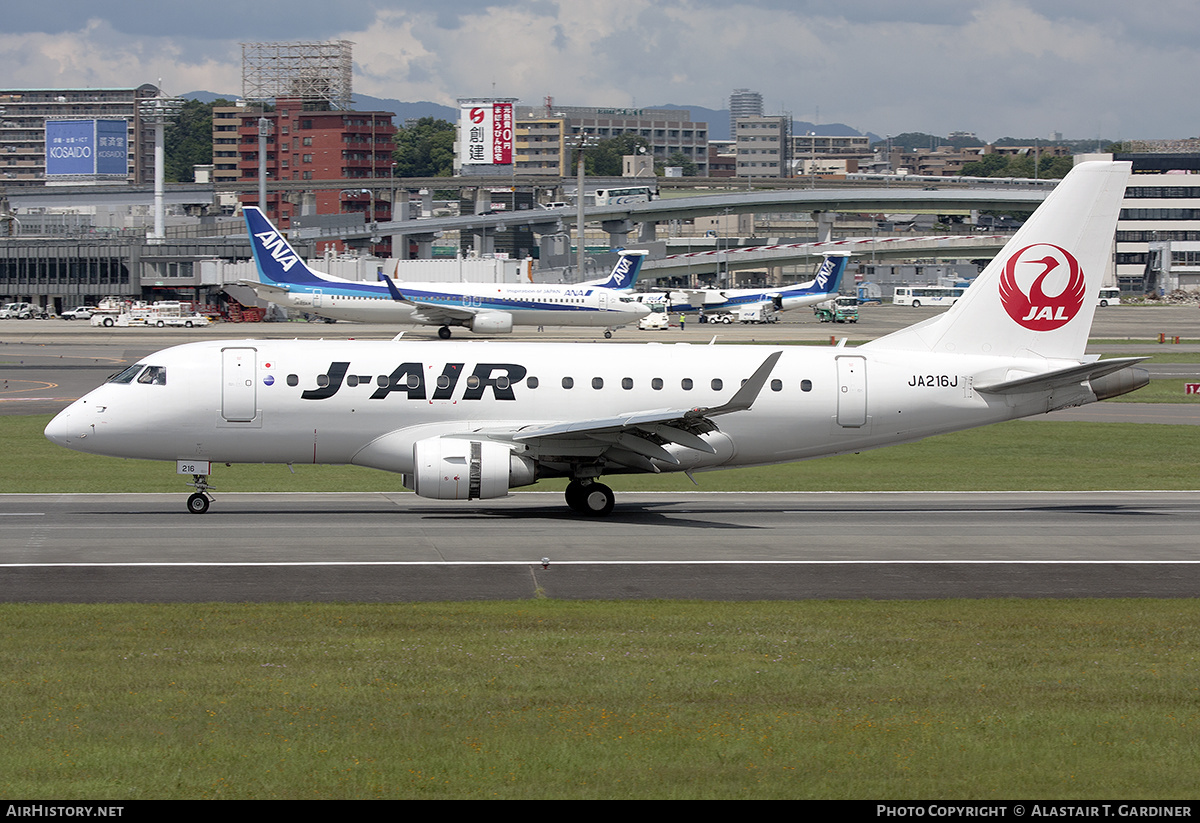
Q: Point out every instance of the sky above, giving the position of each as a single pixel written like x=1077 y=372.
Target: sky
x=998 y=68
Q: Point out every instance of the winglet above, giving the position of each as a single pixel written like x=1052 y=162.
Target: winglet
x=392 y=290
x=747 y=394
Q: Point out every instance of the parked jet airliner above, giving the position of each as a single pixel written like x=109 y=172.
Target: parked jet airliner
x=484 y=308
x=822 y=287
x=472 y=420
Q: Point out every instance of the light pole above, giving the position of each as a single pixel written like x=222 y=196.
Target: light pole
x=157 y=110
x=580 y=142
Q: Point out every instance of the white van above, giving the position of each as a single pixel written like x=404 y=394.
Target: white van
x=1109 y=297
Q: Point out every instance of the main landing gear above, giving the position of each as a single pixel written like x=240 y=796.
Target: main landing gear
x=444 y=332
x=198 y=502
x=589 y=497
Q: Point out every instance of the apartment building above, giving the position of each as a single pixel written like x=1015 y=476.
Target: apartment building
x=23 y=116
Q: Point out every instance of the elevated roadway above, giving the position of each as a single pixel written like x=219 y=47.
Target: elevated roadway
x=620 y=220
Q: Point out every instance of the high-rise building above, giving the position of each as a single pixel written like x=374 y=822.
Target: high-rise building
x=743 y=103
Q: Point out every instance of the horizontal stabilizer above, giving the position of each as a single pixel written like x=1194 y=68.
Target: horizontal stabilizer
x=1061 y=377
x=264 y=288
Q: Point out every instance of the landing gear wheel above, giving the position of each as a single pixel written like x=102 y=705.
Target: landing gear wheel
x=598 y=500
x=197 y=503
x=608 y=333
x=594 y=499
x=574 y=495
x=444 y=332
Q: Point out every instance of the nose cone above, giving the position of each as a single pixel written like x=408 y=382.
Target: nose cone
x=59 y=431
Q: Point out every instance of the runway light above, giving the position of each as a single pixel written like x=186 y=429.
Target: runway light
x=545 y=562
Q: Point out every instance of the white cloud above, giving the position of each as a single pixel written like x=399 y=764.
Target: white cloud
x=1004 y=67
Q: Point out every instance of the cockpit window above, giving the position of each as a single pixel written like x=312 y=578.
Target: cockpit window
x=146 y=375
x=154 y=376
x=127 y=375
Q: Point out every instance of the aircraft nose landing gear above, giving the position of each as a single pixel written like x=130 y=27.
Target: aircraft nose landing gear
x=198 y=502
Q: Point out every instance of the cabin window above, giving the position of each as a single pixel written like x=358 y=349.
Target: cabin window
x=776 y=385
x=501 y=382
x=686 y=384
x=597 y=382
x=352 y=380
x=531 y=382
x=322 y=380
x=805 y=385
x=473 y=382
x=568 y=382
x=717 y=384
x=443 y=381
x=293 y=380
x=656 y=384
x=414 y=381
x=627 y=383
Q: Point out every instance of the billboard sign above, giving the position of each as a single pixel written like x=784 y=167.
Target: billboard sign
x=87 y=148
x=486 y=127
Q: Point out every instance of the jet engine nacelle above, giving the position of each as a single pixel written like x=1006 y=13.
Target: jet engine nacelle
x=447 y=468
x=497 y=322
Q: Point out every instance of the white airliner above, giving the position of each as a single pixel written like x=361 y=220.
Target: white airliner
x=822 y=287
x=484 y=308
x=472 y=420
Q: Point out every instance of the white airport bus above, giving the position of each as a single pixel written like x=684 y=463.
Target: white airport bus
x=623 y=195
x=1109 y=297
x=917 y=296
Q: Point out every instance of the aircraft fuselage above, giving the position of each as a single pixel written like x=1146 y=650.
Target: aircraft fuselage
x=257 y=401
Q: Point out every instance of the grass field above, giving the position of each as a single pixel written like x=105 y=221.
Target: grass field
x=928 y=700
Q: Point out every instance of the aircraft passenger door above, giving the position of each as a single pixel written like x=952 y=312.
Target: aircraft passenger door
x=603 y=301
x=239 y=399
x=316 y=298
x=852 y=392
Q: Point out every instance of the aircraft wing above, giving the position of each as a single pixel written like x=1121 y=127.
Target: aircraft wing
x=438 y=314
x=634 y=438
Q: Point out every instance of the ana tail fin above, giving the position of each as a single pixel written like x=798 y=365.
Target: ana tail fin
x=277 y=261
x=1037 y=297
x=625 y=272
x=829 y=275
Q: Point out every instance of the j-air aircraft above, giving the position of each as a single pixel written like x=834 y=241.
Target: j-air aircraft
x=472 y=420
x=484 y=308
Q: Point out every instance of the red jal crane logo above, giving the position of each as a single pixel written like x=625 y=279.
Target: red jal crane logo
x=1050 y=266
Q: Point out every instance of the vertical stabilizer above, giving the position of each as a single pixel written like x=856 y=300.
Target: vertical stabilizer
x=1037 y=297
x=277 y=262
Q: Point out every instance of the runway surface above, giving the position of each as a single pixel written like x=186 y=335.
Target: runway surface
x=397 y=547
x=387 y=547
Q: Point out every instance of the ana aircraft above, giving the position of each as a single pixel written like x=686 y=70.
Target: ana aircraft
x=822 y=287
x=470 y=421
x=484 y=308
